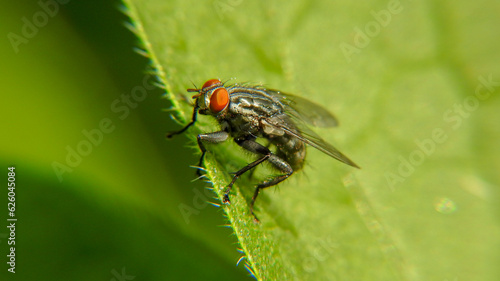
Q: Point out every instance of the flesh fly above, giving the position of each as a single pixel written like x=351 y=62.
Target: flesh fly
x=246 y=113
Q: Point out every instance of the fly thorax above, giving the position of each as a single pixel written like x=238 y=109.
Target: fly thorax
x=270 y=129
x=240 y=125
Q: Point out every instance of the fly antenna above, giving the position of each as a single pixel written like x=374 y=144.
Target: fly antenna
x=195 y=89
x=224 y=82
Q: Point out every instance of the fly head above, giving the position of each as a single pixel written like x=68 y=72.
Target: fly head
x=212 y=98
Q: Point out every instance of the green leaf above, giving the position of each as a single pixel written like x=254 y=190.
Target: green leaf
x=115 y=207
x=415 y=86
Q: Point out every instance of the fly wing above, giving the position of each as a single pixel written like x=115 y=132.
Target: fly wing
x=305 y=110
x=306 y=135
x=311 y=138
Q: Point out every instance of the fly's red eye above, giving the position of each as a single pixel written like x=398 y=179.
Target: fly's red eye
x=211 y=82
x=219 y=100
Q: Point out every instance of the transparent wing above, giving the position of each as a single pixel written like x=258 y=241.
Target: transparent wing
x=312 y=139
x=301 y=113
x=305 y=110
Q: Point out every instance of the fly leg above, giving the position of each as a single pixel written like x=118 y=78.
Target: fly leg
x=252 y=146
x=252 y=172
x=193 y=120
x=215 y=137
x=281 y=165
x=239 y=173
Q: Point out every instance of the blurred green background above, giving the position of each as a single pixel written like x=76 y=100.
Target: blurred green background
x=118 y=208
x=116 y=214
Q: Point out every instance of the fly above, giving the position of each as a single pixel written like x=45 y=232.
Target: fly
x=246 y=113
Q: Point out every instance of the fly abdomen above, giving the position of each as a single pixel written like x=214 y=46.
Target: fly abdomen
x=290 y=149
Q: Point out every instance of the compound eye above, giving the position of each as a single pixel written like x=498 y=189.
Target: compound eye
x=219 y=100
x=210 y=83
